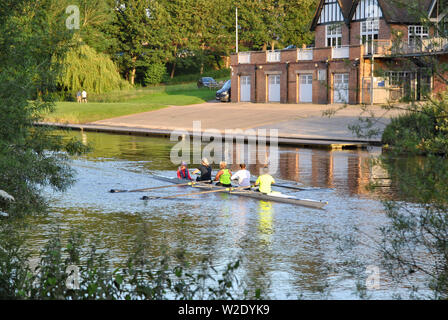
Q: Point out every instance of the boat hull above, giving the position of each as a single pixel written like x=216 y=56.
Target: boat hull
x=250 y=194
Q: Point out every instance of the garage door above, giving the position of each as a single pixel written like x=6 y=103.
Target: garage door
x=274 y=88
x=245 y=88
x=306 y=88
x=340 y=90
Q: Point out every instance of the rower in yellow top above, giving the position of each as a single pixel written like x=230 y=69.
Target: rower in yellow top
x=224 y=175
x=265 y=181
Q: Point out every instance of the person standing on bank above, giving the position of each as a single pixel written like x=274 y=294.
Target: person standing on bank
x=84 y=96
x=205 y=171
x=243 y=176
x=224 y=175
x=78 y=96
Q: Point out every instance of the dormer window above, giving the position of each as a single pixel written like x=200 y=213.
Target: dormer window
x=334 y=35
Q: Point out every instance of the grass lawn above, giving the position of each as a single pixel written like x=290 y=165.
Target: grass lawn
x=116 y=104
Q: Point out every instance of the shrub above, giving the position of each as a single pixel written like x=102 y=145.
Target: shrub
x=420 y=131
x=155 y=74
x=78 y=271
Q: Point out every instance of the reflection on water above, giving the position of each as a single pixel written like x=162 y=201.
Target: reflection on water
x=266 y=213
x=285 y=248
x=348 y=171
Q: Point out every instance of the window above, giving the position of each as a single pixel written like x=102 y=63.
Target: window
x=245 y=80
x=398 y=78
x=334 y=35
x=306 y=79
x=443 y=27
x=416 y=36
x=275 y=79
x=369 y=33
x=322 y=75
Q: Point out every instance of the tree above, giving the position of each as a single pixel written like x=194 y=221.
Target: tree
x=140 y=29
x=295 y=26
x=270 y=22
x=183 y=40
x=84 y=68
x=32 y=37
x=254 y=34
x=96 y=17
x=213 y=30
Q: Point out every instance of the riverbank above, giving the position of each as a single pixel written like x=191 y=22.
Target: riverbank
x=293 y=121
x=134 y=101
x=298 y=125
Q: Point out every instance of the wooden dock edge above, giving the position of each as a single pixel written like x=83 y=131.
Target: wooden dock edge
x=283 y=141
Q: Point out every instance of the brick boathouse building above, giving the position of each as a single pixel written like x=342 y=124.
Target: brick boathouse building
x=351 y=36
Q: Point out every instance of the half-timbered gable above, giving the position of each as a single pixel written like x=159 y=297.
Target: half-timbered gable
x=331 y=12
x=367 y=9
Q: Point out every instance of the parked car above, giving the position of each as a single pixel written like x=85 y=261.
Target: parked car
x=223 y=94
x=208 y=82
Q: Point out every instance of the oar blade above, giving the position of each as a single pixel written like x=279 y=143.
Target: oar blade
x=117 y=191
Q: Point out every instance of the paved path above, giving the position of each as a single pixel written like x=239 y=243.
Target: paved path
x=299 y=121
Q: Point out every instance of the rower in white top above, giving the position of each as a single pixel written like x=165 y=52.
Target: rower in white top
x=243 y=176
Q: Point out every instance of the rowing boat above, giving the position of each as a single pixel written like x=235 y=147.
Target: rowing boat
x=275 y=197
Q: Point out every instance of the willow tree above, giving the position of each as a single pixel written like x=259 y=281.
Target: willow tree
x=84 y=68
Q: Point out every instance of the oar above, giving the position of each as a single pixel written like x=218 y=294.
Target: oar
x=286 y=186
x=194 y=194
x=295 y=187
x=191 y=183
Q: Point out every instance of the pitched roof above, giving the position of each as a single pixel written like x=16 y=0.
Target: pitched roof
x=394 y=11
x=400 y=11
x=404 y=11
x=346 y=6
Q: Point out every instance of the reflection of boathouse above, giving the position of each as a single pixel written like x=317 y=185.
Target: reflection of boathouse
x=346 y=170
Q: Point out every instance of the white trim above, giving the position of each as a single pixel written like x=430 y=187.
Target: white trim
x=305 y=54
x=244 y=57
x=304 y=71
x=274 y=73
x=431 y=9
x=342 y=52
x=273 y=56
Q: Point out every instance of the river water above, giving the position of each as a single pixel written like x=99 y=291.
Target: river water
x=285 y=249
